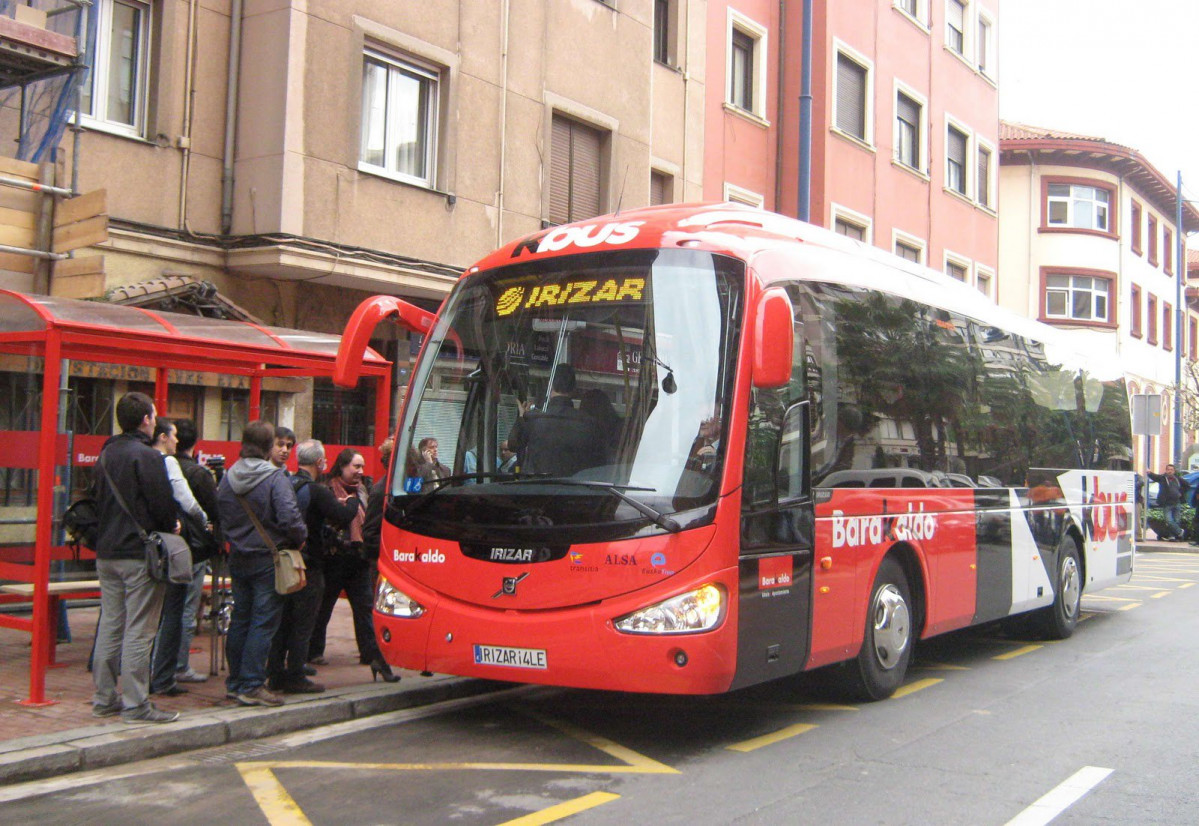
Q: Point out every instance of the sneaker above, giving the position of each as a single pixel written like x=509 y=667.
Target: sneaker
x=302 y=686
x=149 y=714
x=172 y=691
x=111 y=710
x=261 y=696
x=190 y=676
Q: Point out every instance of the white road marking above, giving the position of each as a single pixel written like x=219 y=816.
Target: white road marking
x=1062 y=797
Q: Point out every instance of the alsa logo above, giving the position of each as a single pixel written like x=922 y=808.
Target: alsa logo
x=1108 y=514
x=853 y=531
x=431 y=556
x=588 y=235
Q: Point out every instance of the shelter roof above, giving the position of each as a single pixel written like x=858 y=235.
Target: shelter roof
x=133 y=335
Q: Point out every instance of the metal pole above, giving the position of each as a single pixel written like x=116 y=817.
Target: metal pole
x=1180 y=268
x=805 y=117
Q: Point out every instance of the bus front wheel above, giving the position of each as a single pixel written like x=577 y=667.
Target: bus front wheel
x=1059 y=620
x=882 y=663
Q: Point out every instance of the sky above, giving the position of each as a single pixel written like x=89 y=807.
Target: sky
x=1110 y=69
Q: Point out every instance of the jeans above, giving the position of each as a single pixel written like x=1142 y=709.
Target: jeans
x=256 y=611
x=130 y=604
x=1171 y=512
x=289 y=650
x=166 y=643
x=352 y=574
x=191 y=606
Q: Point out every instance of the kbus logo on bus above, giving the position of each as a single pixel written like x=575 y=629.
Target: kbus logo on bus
x=853 y=531
x=590 y=235
x=1107 y=518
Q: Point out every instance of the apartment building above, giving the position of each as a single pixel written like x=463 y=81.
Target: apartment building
x=300 y=156
x=1089 y=242
x=904 y=122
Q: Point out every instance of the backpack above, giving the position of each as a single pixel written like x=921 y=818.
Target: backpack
x=82 y=524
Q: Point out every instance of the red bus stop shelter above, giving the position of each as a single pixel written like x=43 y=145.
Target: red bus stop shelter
x=49 y=330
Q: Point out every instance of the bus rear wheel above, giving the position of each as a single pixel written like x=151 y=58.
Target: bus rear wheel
x=1059 y=620
x=886 y=651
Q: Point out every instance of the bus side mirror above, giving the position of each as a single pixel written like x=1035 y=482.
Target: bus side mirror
x=361 y=326
x=774 y=332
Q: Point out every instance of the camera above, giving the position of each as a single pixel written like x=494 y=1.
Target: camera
x=215 y=465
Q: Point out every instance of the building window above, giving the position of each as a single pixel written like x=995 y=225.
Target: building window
x=575 y=154
x=955 y=25
x=1152 y=233
x=908 y=121
x=852 y=96
x=956 y=146
x=1134 y=312
x=1192 y=339
x=957 y=270
x=1167 y=251
x=1079 y=206
x=746 y=65
x=399 y=118
x=984 y=176
x=850 y=229
x=1151 y=316
x=909 y=252
x=915 y=9
x=663 y=29
x=1077 y=297
x=115 y=93
x=661 y=188
x=984 y=280
x=737 y=195
x=1167 y=326
x=1135 y=220
x=984 y=49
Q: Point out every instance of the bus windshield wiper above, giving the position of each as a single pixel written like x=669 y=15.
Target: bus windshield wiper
x=660 y=519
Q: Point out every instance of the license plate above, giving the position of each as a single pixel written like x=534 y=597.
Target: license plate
x=510 y=657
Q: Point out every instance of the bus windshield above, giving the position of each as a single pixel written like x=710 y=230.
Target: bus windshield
x=583 y=394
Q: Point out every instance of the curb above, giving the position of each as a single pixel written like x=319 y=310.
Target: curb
x=100 y=746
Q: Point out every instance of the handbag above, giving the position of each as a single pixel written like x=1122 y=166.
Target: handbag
x=203 y=542
x=168 y=559
x=290 y=571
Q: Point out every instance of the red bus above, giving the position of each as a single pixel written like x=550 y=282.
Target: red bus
x=689 y=449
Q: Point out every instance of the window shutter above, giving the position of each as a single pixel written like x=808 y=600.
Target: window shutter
x=560 y=172
x=957 y=148
x=851 y=97
x=585 y=172
x=658 y=184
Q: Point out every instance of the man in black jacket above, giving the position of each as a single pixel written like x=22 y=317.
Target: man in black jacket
x=130 y=601
x=289 y=649
x=558 y=441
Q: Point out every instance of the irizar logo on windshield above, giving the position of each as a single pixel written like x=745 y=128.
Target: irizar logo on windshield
x=588 y=235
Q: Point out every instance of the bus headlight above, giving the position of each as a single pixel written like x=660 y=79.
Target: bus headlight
x=393 y=601
x=698 y=610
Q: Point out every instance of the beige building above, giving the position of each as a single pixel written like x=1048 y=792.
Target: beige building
x=301 y=156
x=1088 y=239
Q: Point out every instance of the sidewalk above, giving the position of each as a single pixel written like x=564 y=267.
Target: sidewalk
x=37 y=742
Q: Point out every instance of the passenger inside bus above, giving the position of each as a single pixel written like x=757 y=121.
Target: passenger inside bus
x=558 y=440
x=597 y=407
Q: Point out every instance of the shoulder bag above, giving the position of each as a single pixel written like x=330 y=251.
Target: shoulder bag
x=290 y=575
x=168 y=559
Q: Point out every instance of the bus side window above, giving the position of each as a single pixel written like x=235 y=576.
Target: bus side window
x=792 y=453
x=776 y=442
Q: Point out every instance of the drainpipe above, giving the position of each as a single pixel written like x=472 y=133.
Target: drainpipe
x=499 y=228
x=235 y=22
x=778 y=115
x=1180 y=269
x=185 y=137
x=805 y=116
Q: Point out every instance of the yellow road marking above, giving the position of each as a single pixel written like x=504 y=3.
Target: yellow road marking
x=821 y=707
x=1019 y=652
x=941 y=667
x=918 y=685
x=1141 y=587
x=768 y=739
x=1185 y=585
x=1129 y=607
x=570 y=807
x=1161 y=579
x=277 y=805
x=637 y=761
x=1104 y=598
x=1160 y=594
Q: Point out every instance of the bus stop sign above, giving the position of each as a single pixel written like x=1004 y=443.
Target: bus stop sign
x=1146 y=414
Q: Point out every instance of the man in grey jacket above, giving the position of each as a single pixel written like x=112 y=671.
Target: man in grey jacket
x=265 y=490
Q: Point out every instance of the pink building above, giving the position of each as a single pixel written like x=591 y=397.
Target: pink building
x=905 y=122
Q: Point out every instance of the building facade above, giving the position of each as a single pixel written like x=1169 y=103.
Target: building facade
x=1089 y=241
x=904 y=122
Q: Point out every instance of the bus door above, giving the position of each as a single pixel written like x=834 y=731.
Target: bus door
x=777 y=533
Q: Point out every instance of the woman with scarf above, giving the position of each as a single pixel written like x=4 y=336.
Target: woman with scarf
x=347 y=569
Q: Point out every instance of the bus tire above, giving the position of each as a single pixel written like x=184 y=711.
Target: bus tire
x=886 y=651
x=1059 y=620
